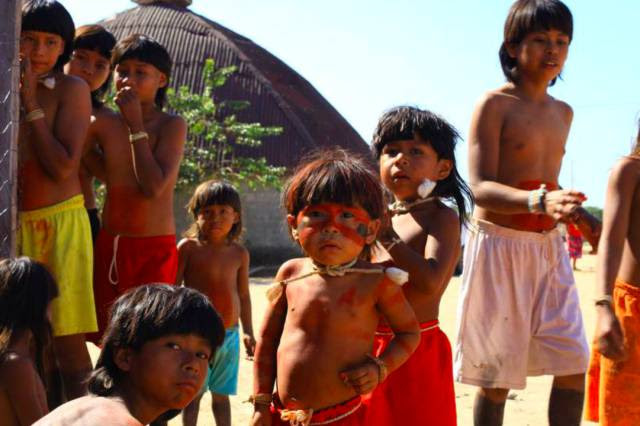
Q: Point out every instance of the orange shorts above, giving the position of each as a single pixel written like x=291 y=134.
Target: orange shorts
x=613 y=387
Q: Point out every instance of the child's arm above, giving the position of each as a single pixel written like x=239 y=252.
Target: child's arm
x=25 y=390
x=183 y=259
x=245 y=305
x=402 y=320
x=59 y=148
x=484 y=156
x=430 y=271
x=154 y=170
x=92 y=159
x=265 y=363
x=615 y=228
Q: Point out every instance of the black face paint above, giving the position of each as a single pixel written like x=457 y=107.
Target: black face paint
x=362 y=230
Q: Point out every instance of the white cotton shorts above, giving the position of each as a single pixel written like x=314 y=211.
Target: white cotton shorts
x=518 y=312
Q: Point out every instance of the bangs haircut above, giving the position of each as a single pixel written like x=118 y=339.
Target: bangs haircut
x=147 y=313
x=49 y=16
x=411 y=123
x=527 y=16
x=97 y=39
x=334 y=176
x=212 y=193
x=145 y=49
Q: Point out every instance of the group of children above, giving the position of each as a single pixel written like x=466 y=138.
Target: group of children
x=350 y=334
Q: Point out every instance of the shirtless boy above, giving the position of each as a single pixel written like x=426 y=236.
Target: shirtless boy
x=212 y=260
x=520 y=314
x=613 y=389
x=54 y=227
x=316 y=339
x=142 y=147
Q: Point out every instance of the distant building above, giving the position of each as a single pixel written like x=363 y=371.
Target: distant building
x=278 y=95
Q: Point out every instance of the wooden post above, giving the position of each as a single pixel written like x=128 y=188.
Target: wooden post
x=10 y=16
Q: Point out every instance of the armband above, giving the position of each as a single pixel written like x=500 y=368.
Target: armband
x=133 y=137
x=537 y=198
x=34 y=115
x=261 y=399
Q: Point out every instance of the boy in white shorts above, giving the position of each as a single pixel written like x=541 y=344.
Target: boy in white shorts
x=519 y=312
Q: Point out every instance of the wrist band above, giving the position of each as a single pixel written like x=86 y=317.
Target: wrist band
x=133 y=137
x=536 y=199
x=392 y=244
x=382 y=367
x=605 y=299
x=260 y=399
x=34 y=115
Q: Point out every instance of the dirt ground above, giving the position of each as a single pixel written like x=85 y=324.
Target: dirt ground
x=524 y=408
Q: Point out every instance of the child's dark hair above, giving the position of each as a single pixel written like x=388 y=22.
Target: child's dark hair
x=527 y=16
x=26 y=289
x=146 y=313
x=145 y=49
x=334 y=176
x=211 y=193
x=406 y=123
x=49 y=16
x=98 y=39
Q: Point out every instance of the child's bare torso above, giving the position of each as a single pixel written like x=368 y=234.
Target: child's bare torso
x=630 y=264
x=90 y=410
x=127 y=210
x=12 y=364
x=36 y=188
x=533 y=136
x=330 y=325
x=214 y=272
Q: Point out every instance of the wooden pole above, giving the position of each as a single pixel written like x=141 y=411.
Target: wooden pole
x=10 y=16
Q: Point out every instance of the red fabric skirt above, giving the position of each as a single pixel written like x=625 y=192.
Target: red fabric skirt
x=420 y=391
x=122 y=263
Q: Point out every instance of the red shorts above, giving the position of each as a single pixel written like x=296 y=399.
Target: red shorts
x=420 y=391
x=121 y=263
x=349 y=413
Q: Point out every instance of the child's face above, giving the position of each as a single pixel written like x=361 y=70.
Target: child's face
x=89 y=65
x=144 y=78
x=215 y=221
x=405 y=164
x=42 y=49
x=331 y=233
x=541 y=54
x=166 y=372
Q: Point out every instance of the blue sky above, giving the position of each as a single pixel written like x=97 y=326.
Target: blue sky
x=367 y=56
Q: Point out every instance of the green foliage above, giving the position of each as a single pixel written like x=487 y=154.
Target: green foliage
x=596 y=211
x=214 y=132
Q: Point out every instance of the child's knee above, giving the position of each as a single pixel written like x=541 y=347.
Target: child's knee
x=495 y=395
x=574 y=382
x=219 y=398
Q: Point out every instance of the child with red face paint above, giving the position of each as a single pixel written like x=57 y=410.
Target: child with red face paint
x=416 y=153
x=323 y=312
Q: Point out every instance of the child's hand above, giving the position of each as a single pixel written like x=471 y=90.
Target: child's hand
x=562 y=204
x=609 y=339
x=129 y=104
x=28 y=83
x=249 y=345
x=261 y=416
x=363 y=378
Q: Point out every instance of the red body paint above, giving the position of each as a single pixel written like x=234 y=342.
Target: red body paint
x=333 y=217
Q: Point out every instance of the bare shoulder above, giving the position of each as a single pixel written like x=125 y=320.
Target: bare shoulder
x=16 y=368
x=90 y=410
x=240 y=250
x=290 y=268
x=71 y=87
x=187 y=244
x=437 y=215
x=496 y=100
x=171 y=123
x=626 y=172
x=563 y=108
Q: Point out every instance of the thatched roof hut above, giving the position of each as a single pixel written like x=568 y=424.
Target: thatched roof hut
x=278 y=95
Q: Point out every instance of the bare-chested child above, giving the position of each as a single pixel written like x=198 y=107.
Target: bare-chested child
x=54 y=228
x=316 y=339
x=141 y=150
x=416 y=153
x=211 y=260
x=26 y=292
x=154 y=358
x=519 y=310
x=613 y=390
x=91 y=61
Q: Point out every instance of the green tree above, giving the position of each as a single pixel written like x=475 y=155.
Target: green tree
x=596 y=211
x=214 y=132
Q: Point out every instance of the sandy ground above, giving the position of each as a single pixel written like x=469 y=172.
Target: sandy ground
x=524 y=408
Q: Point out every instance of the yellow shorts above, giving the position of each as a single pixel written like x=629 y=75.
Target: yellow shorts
x=59 y=236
